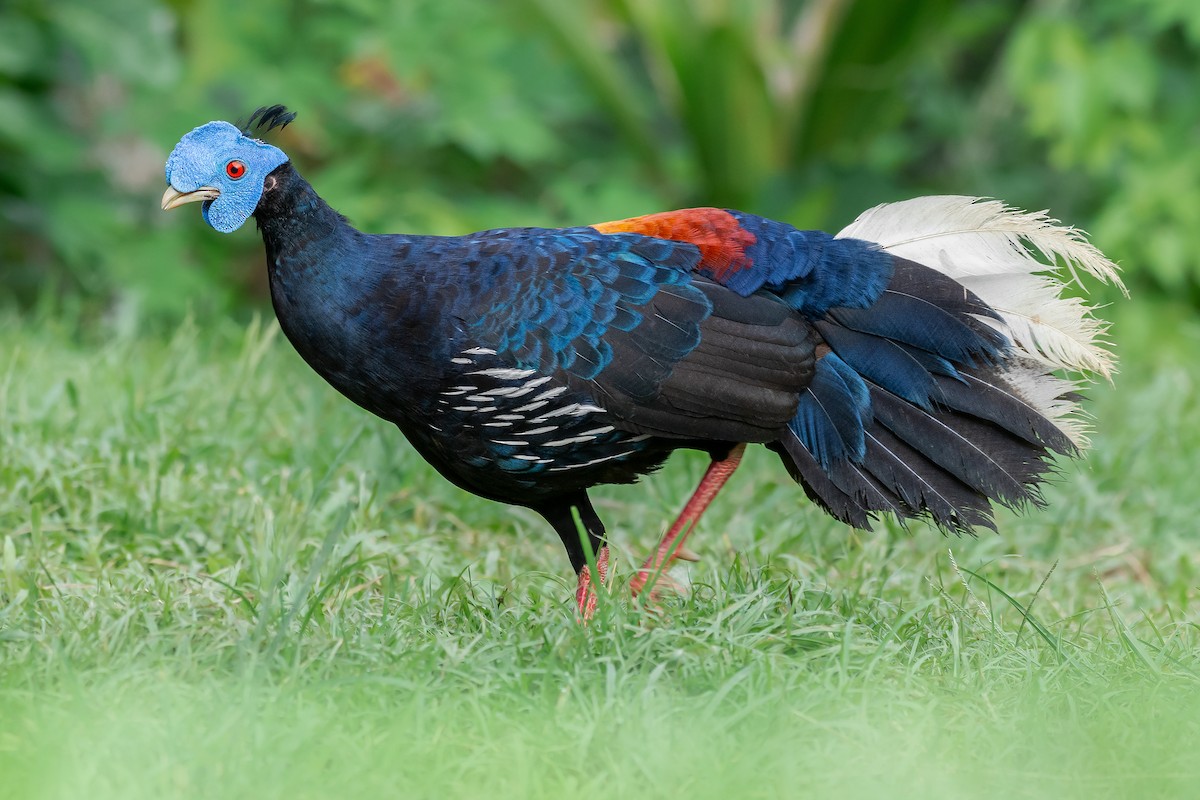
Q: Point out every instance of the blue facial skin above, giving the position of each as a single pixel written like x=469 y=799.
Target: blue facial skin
x=199 y=160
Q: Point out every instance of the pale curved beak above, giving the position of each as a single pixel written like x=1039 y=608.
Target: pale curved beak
x=173 y=198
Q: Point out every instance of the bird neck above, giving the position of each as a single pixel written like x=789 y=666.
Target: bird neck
x=293 y=218
x=339 y=298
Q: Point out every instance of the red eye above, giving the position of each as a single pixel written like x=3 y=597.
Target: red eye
x=235 y=169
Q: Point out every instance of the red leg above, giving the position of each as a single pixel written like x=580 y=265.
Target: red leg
x=672 y=542
x=585 y=595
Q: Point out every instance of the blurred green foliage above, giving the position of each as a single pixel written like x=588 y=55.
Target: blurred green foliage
x=445 y=116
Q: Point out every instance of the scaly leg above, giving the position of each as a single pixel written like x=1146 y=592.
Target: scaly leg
x=585 y=595
x=559 y=513
x=653 y=571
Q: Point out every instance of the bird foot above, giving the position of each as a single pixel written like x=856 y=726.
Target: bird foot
x=585 y=594
x=654 y=583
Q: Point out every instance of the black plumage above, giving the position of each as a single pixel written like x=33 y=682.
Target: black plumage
x=528 y=365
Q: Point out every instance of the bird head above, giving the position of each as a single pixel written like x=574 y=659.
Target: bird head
x=223 y=167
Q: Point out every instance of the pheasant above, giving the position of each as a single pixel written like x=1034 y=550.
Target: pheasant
x=921 y=363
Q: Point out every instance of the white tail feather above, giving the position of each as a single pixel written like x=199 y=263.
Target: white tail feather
x=1009 y=258
x=1049 y=394
x=993 y=250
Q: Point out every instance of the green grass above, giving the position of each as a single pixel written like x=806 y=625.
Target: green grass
x=219 y=579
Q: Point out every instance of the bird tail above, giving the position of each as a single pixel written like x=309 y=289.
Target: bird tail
x=948 y=393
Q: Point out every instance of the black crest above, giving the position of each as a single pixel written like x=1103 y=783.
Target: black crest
x=266 y=119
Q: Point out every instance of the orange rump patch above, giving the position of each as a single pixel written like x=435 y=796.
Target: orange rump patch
x=720 y=237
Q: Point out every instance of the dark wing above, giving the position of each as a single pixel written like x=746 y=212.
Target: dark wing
x=625 y=317
x=741 y=382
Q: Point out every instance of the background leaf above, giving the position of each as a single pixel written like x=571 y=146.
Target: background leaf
x=445 y=116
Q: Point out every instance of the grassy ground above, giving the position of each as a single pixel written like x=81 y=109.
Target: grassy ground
x=218 y=579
